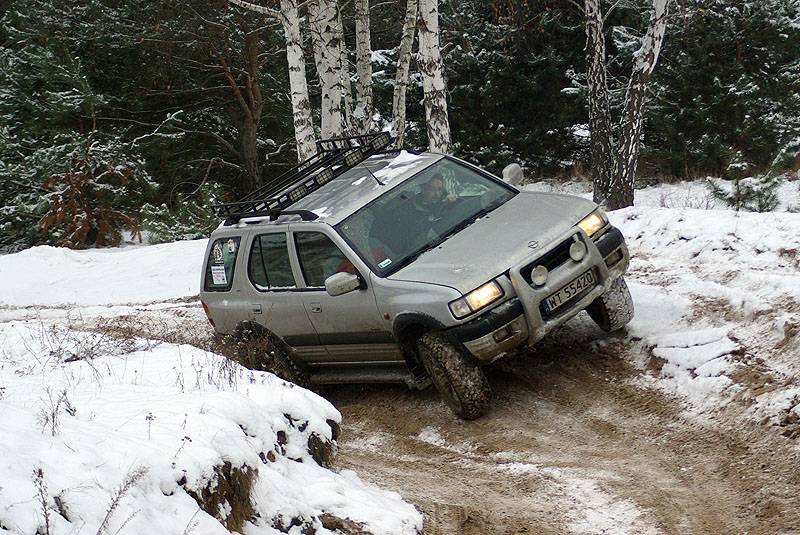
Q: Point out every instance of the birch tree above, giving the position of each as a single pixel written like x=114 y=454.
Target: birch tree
x=621 y=192
x=362 y=113
x=401 y=77
x=602 y=136
x=298 y=83
x=327 y=39
x=431 y=67
x=614 y=164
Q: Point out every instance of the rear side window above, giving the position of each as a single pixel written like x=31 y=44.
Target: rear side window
x=319 y=258
x=221 y=264
x=268 y=266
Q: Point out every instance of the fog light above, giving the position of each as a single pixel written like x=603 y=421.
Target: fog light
x=577 y=251
x=539 y=275
x=614 y=257
x=502 y=333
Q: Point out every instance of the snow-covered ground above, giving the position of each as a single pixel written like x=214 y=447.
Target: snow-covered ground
x=686 y=194
x=143 y=424
x=717 y=296
x=109 y=435
x=718 y=304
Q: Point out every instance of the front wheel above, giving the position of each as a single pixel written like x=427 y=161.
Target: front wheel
x=614 y=309
x=458 y=379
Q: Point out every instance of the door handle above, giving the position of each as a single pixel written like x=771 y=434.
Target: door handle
x=256 y=308
x=316 y=307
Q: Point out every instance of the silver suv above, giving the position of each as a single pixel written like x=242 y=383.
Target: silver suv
x=381 y=266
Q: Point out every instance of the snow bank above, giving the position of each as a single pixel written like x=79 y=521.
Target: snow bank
x=89 y=420
x=708 y=285
x=58 y=276
x=747 y=260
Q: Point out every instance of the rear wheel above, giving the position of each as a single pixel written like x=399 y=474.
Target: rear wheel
x=258 y=348
x=614 y=309
x=459 y=380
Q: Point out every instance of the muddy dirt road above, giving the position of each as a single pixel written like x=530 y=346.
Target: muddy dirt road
x=575 y=444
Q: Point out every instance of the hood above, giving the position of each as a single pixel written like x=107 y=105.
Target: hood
x=497 y=241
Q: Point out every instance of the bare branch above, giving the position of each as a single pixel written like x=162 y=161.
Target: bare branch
x=256 y=8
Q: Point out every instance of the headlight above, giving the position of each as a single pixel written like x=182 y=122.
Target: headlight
x=593 y=222
x=476 y=299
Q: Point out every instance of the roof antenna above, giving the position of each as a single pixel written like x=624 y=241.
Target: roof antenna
x=370 y=174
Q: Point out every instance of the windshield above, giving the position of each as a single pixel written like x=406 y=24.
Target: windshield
x=436 y=203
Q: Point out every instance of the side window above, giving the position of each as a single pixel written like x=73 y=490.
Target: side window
x=220 y=264
x=268 y=266
x=320 y=258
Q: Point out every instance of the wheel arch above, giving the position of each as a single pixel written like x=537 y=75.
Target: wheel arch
x=407 y=328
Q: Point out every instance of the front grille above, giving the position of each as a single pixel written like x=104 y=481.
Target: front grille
x=551 y=259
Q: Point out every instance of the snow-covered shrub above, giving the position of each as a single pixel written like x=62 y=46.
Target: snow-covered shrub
x=190 y=218
x=87 y=201
x=749 y=193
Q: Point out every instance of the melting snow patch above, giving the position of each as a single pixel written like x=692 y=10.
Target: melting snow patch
x=590 y=508
x=432 y=436
x=695 y=363
x=597 y=511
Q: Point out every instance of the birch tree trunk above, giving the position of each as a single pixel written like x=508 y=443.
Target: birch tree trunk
x=327 y=42
x=298 y=82
x=432 y=69
x=614 y=171
x=621 y=191
x=401 y=77
x=362 y=114
x=347 y=84
x=602 y=136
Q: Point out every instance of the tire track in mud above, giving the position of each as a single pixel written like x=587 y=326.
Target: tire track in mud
x=573 y=444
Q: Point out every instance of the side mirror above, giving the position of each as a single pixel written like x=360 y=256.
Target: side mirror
x=342 y=283
x=512 y=174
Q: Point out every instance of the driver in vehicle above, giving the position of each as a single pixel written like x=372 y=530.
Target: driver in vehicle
x=433 y=196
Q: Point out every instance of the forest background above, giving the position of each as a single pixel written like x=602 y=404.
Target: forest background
x=127 y=115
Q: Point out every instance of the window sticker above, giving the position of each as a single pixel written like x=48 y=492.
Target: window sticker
x=384 y=263
x=217 y=255
x=218 y=275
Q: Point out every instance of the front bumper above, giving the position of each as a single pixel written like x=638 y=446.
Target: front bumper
x=522 y=319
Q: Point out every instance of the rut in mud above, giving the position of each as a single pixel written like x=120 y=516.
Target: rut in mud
x=574 y=443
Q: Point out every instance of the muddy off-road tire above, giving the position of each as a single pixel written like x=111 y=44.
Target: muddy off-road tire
x=456 y=376
x=257 y=348
x=614 y=309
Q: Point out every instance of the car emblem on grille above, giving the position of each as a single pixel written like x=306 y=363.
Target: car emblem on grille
x=533 y=244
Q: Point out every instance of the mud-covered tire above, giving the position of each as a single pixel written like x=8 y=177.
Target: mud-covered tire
x=459 y=380
x=614 y=309
x=258 y=348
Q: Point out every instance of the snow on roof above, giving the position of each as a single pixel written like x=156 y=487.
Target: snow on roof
x=358 y=186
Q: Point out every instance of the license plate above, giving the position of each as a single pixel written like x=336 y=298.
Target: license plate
x=567 y=292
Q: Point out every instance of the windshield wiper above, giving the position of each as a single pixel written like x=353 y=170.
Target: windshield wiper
x=427 y=247
x=461 y=226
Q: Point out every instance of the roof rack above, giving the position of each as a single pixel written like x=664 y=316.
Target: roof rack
x=334 y=157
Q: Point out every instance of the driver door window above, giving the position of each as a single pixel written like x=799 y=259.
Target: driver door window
x=319 y=258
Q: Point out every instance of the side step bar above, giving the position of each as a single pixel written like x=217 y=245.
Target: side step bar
x=361 y=375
